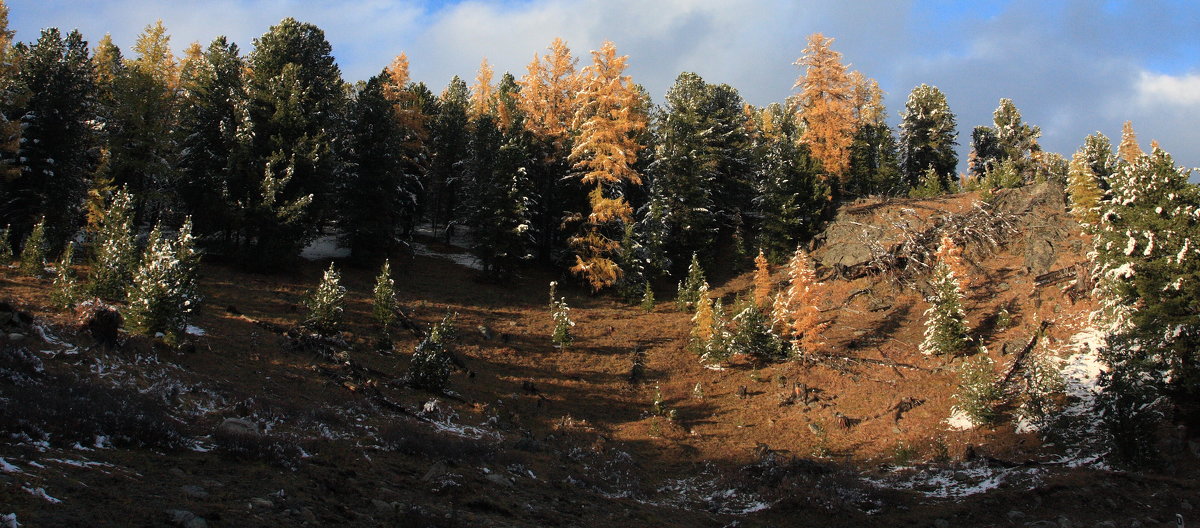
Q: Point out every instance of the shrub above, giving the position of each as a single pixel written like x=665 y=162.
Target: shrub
x=64 y=292
x=429 y=368
x=163 y=294
x=688 y=291
x=326 y=303
x=33 y=252
x=978 y=390
x=113 y=259
x=384 y=306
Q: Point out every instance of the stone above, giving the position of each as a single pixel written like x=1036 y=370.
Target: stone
x=195 y=492
x=237 y=427
x=177 y=472
x=186 y=519
x=308 y=516
x=16 y=337
x=1015 y=515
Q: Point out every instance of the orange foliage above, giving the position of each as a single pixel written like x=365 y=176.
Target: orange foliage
x=951 y=254
x=481 y=92
x=826 y=104
x=762 y=281
x=795 y=313
x=548 y=95
x=1129 y=150
x=398 y=71
x=702 y=322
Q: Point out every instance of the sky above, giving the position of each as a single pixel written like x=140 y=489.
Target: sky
x=1071 y=67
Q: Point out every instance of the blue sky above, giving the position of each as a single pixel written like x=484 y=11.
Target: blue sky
x=1072 y=67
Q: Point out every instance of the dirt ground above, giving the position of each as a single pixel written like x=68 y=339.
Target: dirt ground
x=533 y=435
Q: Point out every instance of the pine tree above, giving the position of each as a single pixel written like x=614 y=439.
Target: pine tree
x=762 y=281
x=927 y=136
x=1097 y=150
x=874 y=164
x=113 y=259
x=383 y=309
x=752 y=335
x=64 y=291
x=326 y=304
x=1083 y=190
x=791 y=197
x=33 y=251
x=931 y=185
x=979 y=391
x=560 y=313
x=647 y=304
x=483 y=100
x=945 y=321
x=605 y=152
x=162 y=295
x=702 y=322
x=296 y=98
x=56 y=112
x=449 y=140
x=688 y=291
x=826 y=106
x=794 y=313
x=1129 y=150
x=430 y=365
x=6 y=249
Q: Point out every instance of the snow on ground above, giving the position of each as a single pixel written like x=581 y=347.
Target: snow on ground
x=459 y=239
x=41 y=494
x=462 y=259
x=9 y=520
x=959 y=421
x=325 y=247
x=6 y=467
x=957 y=481
x=194 y=330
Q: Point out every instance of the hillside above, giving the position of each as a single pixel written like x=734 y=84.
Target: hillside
x=253 y=423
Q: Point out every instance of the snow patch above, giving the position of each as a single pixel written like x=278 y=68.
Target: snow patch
x=325 y=247
x=9 y=520
x=6 y=467
x=194 y=330
x=462 y=259
x=959 y=421
x=41 y=494
x=956 y=482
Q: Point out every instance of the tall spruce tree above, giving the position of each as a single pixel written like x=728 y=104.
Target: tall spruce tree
x=928 y=136
x=449 y=150
x=791 y=197
x=55 y=106
x=874 y=164
x=296 y=101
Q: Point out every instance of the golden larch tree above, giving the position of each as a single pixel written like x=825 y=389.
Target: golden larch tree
x=794 y=314
x=868 y=100
x=482 y=99
x=826 y=105
x=762 y=281
x=547 y=96
x=1084 y=190
x=398 y=71
x=951 y=254
x=1129 y=150
x=154 y=56
x=702 y=320
x=610 y=114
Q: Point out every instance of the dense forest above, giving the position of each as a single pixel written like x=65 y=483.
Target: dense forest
x=142 y=164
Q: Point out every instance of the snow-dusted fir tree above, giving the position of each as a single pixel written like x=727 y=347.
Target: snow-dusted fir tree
x=1147 y=254
x=752 y=335
x=113 y=256
x=64 y=292
x=33 y=251
x=383 y=307
x=6 y=250
x=430 y=365
x=560 y=313
x=979 y=392
x=1084 y=190
x=688 y=292
x=326 y=303
x=162 y=295
x=945 y=320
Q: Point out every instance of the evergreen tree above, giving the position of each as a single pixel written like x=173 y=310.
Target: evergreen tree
x=113 y=259
x=874 y=166
x=826 y=106
x=979 y=391
x=430 y=365
x=927 y=136
x=6 y=249
x=326 y=303
x=296 y=102
x=377 y=196
x=64 y=291
x=688 y=292
x=162 y=295
x=931 y=184
x=945 y=321
x=383 y=309
x=605 y=152
x=560 y=313
x=10 y=130
x=752 y=335
x=55 y=107
x=1129 y=150
x=33 y=251
x=1097 y=150
x=792 y=199
x=449 y=139
x=762 y=281
x=1083 y=190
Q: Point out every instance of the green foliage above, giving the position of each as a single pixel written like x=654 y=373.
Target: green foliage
x=64 y=292
x=449 y=149
x=792 y=198
x=659 y=406
x=561 y=314
x=927 y=136
x=931 y=185
x=688 y=292
x=647 y=304
x=326 y=303
x=33 y=251
x=752 y=335
x=162 y=295
x=6 y=250
x=945 y=321
x=1039 y=382
x=978 y=391
x=874 y=164
x=1003 y=175
x=384 y=306
x=113 y=258
x=431 y=362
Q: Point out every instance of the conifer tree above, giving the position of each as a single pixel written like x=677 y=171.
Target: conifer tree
x=560 y=313
x=927 y=136
x=703 y=328
x=113 y=259
x=794 y=313
x=762 y=281
x=688 y=291
x=33 y=251
x=1097 y=150
x=56 y=112
x=383 y=309
x=647 y=304
x=6 y=249
x=791 y=198
x=930 y=185
x=162 y=295
x=605 y=152
x=874 y=167
x=326 y=303
x=482 y=97
x=945 y=321
x=979 y=391
x=430 y=365
x=64 y=291
x=1083 y=190
x=826 y=106
x=1129 y=150
x=10 y=131
x=752 y=335
x=449 y=137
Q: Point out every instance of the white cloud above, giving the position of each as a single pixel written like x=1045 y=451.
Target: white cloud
x=1154 y=89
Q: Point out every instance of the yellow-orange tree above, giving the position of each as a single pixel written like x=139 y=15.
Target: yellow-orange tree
x=795 y=312
x=826 y=105
x=762 y=281
x=608 y=119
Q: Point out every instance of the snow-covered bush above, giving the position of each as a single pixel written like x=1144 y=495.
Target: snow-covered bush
x=33 y=252
x=326 y=303
x=429 y=368
x=113 y=256
x=561 y=314
x=978 y=391
x=384 y=305
x=163 y=296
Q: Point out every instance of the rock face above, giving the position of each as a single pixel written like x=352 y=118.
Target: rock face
x=237 y=428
